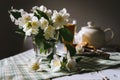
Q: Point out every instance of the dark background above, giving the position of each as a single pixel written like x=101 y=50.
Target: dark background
x=105 y=13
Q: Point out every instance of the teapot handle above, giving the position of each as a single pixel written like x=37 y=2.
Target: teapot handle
x=112 y=33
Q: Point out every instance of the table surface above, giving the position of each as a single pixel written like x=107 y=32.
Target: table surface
x=12 y=69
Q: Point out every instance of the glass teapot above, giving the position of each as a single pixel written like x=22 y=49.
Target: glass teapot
x=94 y=36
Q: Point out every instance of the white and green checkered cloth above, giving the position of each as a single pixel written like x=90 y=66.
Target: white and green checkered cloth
x=16 y=67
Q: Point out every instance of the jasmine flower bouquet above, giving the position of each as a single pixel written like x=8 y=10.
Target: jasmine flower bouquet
x=46 y=28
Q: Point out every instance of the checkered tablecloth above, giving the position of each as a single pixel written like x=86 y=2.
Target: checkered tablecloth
x=16 y=67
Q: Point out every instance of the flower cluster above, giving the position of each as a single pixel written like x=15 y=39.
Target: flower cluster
x=58 y=63
x=66 y=63
x=41 y=18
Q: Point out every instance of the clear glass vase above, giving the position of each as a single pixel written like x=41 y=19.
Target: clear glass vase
x=45 y=47
x=40 y=52
x=44 y=54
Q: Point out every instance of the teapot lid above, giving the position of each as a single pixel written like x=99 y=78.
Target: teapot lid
x=91 y=25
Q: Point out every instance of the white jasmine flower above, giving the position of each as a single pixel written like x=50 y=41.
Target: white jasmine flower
x=48 y=12
x=64 y=13
x=55 y=64
x=20 y=22
x=24 y=19
x=60 y=18
x=49 y=32
x=28 y=32
x=34 y=31
x=34 y=64
x=35 y=24
x=71 y=63
x=22 y=11
x=34 y=18
x=31 y=28
x=26 y=26
x=31 y=31
x=42 y=8
x=34 y=8
x=12 y=18
x=29 y=23
x=44 y=23
x=27 y=17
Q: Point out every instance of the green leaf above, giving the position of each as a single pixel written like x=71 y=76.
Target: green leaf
x=16 y=14
x=41 y=50
x=47 y=45
x=63 y=63
x=71 y=49
x=20 y=31
x=39 y=37
x=66 y=34
x=42 y=14
x=35 y=14
x=50 y=56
